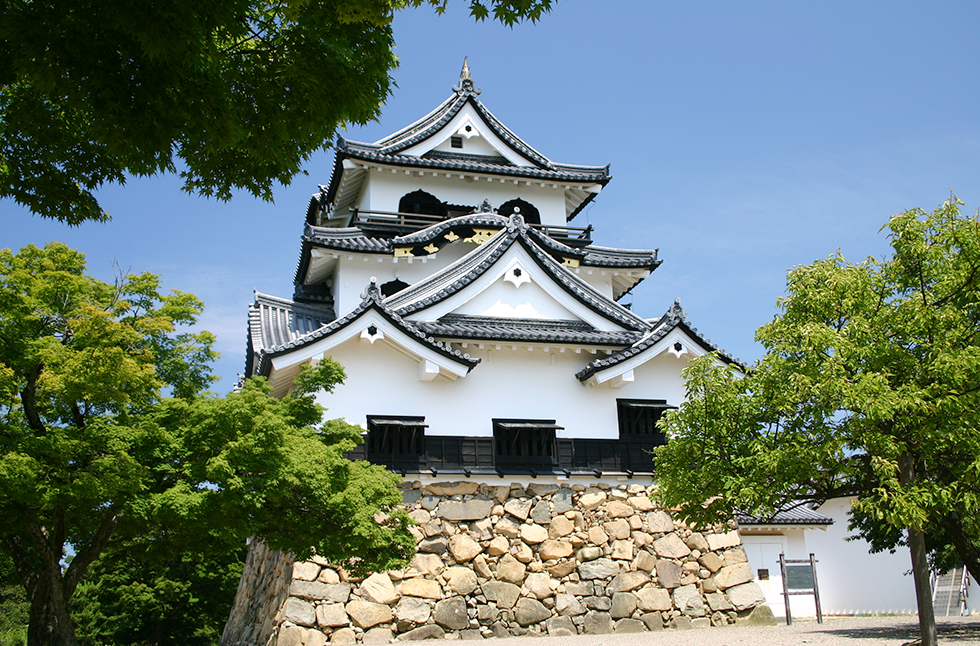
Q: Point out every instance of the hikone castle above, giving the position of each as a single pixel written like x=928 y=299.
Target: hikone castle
x=491 y=365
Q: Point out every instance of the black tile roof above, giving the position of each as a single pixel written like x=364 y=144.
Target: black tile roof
x=372 y=300
x=464 y=271
x=486 y=328
x=274 y=322
x=791 y=515
x=674 y=318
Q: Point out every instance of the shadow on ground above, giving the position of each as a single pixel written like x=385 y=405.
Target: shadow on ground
x=948 y=633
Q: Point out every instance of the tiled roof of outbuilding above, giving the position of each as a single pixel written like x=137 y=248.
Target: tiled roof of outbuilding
x=528 y=330
x=276 y=321
x=796 y=515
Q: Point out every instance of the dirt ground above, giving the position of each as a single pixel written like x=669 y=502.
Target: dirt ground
x=846 y=631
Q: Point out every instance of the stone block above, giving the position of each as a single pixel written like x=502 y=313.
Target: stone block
x=552 y=549
x=681 y=622
x=534 y=534
x=377 y=635
x=317 y=591
x=623 y=605
x=518 y=507
x=597 y=536
x=542 y=489
x=463 y=487
x=541 y=513
x=717 y=601
x=597 y=603
x=652 y=599
x=746 y=595
x=299 y=612
x=331 y=615
x=428 y=564
x=540 y=585
x=696 y=541
x=432 y=631
x=617 y=529
x=711 y=561
x=461 y=580
x=589 y=553
x=732 y=575
x=419 y=587
x=458 y=510
x=305 y=571
x=561 y=501
x=366 y=614
x=314 y=638
x=412 y=610
x=481 y=567
x=759 y=616
x=411 y=497
x=653 y=621
x=640 y=503
x=659 y=522
x=688 y=600
x=451 y=613
x=378 y=588
x=591 y=500
x=701 y=622
x=616 y=509
x=510 y=569
x=483 y=529
x=291 y=636
x=508 y=527
x=463 y=548
x=470 y=634
x=343 y=637
x=601 y=568
x=580 y=588
x=671 y=547
x=503 y=594
x=622 y=550
x=669 y=574
x=434 y=545
x=498 y=545
x=629 y=626
x=597 y=623
x=723 y=541
x=560 y=527
x=735 y=555
x=627 y=581
x=567 y=605
x=562 y=569
x=530 y=611
x=561 y=627
x=645 y=561
x=430 y=502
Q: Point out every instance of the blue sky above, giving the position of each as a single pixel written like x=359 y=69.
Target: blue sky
x=744 y=138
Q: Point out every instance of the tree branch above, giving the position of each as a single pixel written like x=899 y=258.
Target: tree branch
x=84 y=557
x=25 y=572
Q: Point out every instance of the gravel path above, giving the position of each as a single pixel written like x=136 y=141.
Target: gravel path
x=846 y=631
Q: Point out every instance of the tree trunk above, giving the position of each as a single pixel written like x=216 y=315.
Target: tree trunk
x=50 y=623
x=920 y=565
x=923 y=587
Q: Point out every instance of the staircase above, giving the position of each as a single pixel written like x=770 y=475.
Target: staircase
x=949 y=591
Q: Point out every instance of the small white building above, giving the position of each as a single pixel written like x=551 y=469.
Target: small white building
x=480 y=329
x=851 y=580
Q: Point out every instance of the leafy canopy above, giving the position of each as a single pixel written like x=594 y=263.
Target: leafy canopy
x=869 y=387
x=92 y=451
x=241 y=92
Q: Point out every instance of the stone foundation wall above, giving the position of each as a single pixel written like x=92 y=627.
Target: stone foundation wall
x=511 y=560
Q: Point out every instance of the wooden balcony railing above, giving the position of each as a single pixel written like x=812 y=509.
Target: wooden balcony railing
x=397 y=223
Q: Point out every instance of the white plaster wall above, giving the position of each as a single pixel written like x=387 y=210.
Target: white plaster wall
x=658 y=378
x=763 y=551
x=507 y=384
x=384 y=188
x=502 y=299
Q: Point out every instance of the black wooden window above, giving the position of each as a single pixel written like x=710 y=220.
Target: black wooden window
x=396 y=441
x=525 y=442
x=421 y=203
x=638 y=432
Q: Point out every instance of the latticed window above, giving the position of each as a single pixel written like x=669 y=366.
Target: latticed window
x=525 y=442
x=397 y=441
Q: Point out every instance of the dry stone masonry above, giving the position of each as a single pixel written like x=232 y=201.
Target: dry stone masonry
x=507 y=560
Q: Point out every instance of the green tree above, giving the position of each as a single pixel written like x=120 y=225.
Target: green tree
x=869 y=387
x=13 y=605
x=91 y=449
x=242 y=92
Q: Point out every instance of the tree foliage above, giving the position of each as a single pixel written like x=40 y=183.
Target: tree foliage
x=91 y=450
x=869 y=387
x=241 y=92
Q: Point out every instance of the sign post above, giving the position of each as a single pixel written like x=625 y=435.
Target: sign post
x=799 y=577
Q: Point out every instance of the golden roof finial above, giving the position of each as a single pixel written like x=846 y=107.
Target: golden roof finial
x=465 y=73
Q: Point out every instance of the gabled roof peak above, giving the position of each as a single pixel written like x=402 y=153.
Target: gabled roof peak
x=466 y=86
